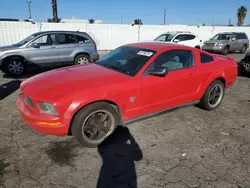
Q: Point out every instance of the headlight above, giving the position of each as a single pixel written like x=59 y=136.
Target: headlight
x=47 y=108
x=218 y=44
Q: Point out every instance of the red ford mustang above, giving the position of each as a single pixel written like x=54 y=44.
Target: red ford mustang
x=132 y=82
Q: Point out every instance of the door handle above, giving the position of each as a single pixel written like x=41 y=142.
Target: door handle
x=53 y=47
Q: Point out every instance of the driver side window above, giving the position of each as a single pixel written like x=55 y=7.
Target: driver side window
x=174 y=60
x=46 y=40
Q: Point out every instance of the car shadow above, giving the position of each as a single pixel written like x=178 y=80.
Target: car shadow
x=9 y=88
x=28 y=74
x=118 y=157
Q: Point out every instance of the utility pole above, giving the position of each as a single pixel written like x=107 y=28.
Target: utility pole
x=164 y=16
x=121 y=18
x=54 y=8
x=29 y=2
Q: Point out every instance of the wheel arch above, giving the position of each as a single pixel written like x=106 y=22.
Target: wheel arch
x=209 y=82
x=110 y=102
x=81 y=53
x=13 y=56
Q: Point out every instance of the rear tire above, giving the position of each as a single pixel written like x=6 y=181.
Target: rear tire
x=82 y=59
x=212 y=99
x=89 y=123
x=14 y=66
x=225 y=51
x=243 y=49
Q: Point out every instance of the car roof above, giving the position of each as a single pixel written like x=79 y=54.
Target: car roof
x=156 y=46
x=60 y=31
x=232 y=33
x=178 y=32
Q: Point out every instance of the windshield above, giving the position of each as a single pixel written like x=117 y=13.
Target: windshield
x=126 y=59
x=26 y=40
x=165 y=37
x=222 y=37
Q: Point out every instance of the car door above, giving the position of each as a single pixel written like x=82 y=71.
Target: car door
x=45 y=52
x=185 y=39
x=178 y=87
x=188 y=40
x=240 y=41
x=66 y=44
x=234 y=42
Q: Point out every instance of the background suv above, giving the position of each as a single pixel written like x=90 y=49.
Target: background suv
x=227 y=42
x=181 y=37
x=48 y=49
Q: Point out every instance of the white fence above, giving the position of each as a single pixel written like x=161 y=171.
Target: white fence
x=107 y=36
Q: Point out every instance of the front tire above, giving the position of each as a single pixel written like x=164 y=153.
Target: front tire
x=14 y=66
x=82 y=59
x=225 y=51
x=94 y=123
x=213 y=96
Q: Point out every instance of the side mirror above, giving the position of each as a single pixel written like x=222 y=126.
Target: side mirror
x=233 y=39
x=158 y=72
x=35 y=45
x=176 y=40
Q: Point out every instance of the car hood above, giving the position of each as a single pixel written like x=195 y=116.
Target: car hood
x=5 y=48
x=216 y=41
x=54 y=84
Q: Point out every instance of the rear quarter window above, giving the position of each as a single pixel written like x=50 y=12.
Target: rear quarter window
x=205 y=58
x=189 y=37
x=82 y=39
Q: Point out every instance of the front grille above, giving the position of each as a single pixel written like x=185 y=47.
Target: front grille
x=209 y=44
x=30 y=102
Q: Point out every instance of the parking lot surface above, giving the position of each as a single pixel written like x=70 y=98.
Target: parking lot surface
x=188 y=147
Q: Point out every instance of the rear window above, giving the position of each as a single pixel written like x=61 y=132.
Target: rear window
x=205 y=58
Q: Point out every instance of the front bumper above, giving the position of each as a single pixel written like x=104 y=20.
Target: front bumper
x=42 y=123
x=213 y=48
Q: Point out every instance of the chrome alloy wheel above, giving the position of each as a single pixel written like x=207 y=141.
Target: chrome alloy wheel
x=15 y=67
x=98 y=125
x=215 y=96
x=82 y=61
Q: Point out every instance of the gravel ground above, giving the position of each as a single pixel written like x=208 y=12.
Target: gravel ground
x=185 y=148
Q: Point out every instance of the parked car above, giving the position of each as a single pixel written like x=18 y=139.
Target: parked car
x=227 y=42
x=181 y=37
x=48 y=49
x=245 y=63
x=132 y=82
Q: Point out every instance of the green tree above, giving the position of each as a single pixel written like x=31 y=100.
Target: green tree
x=241 y=15
x=138 y=22
x=91 y=21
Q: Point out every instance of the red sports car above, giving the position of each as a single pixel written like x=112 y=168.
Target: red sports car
x=132 y=82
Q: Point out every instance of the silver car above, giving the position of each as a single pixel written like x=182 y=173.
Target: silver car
x=227 y=42
x=48 y=49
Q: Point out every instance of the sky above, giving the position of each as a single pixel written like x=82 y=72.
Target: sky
x=151 y=12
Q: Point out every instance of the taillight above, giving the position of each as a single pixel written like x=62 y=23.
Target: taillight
x=95 y=46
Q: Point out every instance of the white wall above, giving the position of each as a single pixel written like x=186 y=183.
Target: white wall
x=107 y=36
